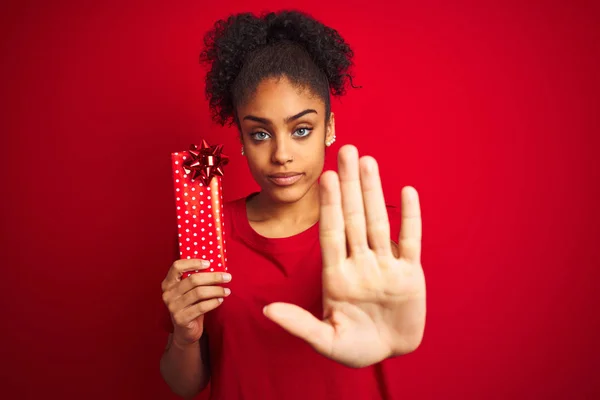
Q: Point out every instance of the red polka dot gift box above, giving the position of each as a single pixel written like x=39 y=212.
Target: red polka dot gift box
x=197 y=176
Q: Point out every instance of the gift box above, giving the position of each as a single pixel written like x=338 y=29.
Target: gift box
x=197 y=175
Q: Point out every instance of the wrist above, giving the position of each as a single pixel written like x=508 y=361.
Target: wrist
x=183 y=344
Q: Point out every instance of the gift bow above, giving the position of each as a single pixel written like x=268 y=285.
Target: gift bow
x=205 y=162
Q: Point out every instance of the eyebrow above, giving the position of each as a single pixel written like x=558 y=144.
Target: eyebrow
x=287 y=120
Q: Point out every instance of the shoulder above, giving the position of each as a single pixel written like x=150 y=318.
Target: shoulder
x=238 y=204
x=236 y=208
x=235 y=204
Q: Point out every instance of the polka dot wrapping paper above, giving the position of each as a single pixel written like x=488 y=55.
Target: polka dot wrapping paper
x=200 y=215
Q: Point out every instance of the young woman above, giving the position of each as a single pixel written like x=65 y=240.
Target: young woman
x=317 y=296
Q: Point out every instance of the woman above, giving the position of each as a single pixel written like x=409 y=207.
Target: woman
x=318 y=296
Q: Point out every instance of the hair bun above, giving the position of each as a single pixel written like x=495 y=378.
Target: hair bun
x=231 y=42
x=281 y=27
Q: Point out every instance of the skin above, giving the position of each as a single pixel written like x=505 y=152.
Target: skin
x=283 y=129
x=373 y=289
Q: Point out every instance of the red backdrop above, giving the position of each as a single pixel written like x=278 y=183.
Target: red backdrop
x=489 y=109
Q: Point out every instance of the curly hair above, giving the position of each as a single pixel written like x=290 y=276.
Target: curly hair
x=244 y=49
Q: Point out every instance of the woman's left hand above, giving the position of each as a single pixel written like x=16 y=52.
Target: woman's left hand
x=373 y=294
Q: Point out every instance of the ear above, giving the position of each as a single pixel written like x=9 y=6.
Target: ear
x=240 y=134
x=239 y=129
x=330 y=127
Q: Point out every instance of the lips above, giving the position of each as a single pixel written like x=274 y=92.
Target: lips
x=284 y=174
x=285 y=179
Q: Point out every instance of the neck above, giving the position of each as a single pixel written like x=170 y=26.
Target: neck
x=303 y=211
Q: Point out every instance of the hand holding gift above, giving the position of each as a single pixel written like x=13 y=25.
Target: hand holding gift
x=188 y=300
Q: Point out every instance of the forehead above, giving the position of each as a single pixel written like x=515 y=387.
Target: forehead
x=278 y=98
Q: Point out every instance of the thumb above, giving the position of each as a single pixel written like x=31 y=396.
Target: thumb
x=302 y=324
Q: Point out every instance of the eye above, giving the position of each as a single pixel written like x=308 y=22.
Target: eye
x=303 y=132
x=259 y=136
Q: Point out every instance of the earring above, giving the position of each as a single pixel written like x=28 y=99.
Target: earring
x=330 y=142
x=242 y=150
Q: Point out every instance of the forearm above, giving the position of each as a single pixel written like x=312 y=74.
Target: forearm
x=183 y=369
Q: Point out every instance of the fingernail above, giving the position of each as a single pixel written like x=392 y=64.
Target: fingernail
x=220 y=299
x=226 y=277
x=227 y=291
x=205 y=263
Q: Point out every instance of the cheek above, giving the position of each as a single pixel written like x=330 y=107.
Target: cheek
x=258 y=166
x=254 y=166
x=316 y=161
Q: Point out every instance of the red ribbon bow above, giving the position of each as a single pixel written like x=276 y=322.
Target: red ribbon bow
x=205 y=162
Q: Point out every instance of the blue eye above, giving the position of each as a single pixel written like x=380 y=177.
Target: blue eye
x=257 y=136
x=303 y=132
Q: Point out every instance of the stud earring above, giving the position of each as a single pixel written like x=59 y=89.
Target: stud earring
x=242 y=150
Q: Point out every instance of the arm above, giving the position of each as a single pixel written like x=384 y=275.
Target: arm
x=185 y=368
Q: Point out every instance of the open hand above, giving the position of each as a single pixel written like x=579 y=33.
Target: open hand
x=374 y=301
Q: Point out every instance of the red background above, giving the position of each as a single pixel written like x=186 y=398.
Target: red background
x=490 y=109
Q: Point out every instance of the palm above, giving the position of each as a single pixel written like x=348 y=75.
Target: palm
x=373 y=301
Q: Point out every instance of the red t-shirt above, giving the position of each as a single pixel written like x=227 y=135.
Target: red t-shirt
x=252 y=357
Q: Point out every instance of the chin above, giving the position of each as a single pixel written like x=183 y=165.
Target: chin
x=290 y=194
x=285 y=195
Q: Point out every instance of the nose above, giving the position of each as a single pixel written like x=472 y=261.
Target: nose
x=282 y=151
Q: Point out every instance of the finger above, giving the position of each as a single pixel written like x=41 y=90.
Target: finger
x=411 y=228
x=199 y=293
x=352 y=201
x=378 y=223
x=196 y=280
x=187 y=315
x=331 y=221
x=179 y=267
x=302 y=324
x=204 y=279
